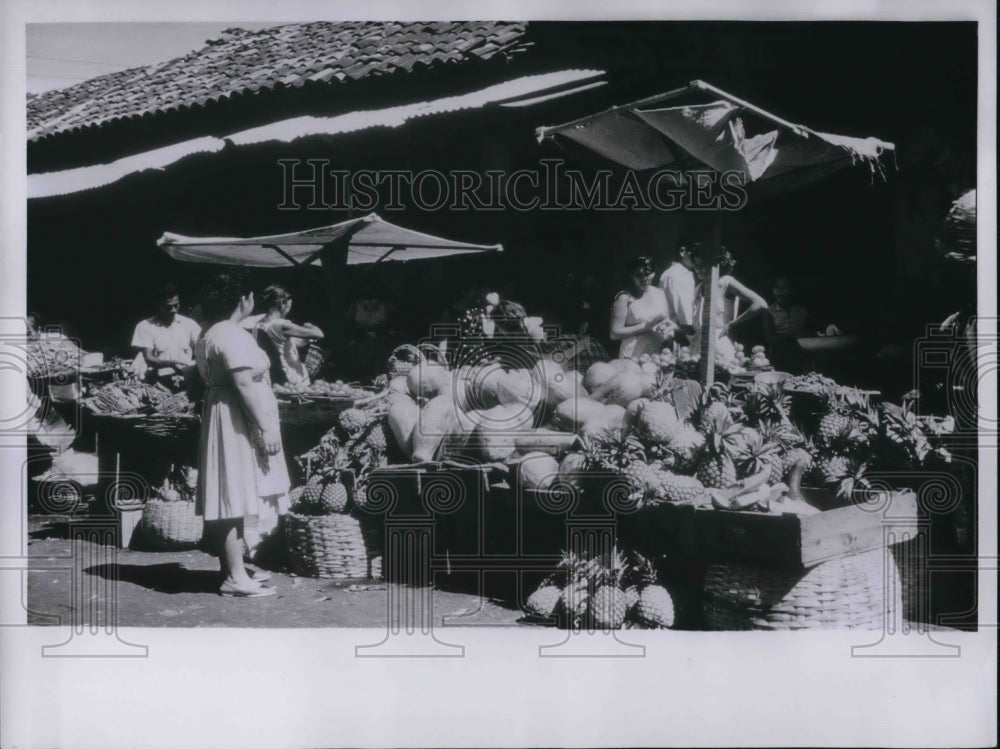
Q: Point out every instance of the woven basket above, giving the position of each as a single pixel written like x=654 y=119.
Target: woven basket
x=400 y=366
x=304 y=412
x=336 y=546
x=171 y=525
x=849 y=592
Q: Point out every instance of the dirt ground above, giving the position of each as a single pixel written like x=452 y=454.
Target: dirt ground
x=178 y=589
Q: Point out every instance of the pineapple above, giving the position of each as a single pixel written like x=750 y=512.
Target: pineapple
x=613 y=449
x=685 y=448
x=353 y=420
x=313 y=490
x=335 y=496
x=656 y=607
x=834 y=422
x=853 y=478
x=576 y=593
x=543 y=602
x=756 y=455
x=658 y=422
x=643 y=478
x=681 y=489
x=716 y=468
x=797 y=456
x=831 y=468
x=631 y=598
x=777 y=404
x=608 y=607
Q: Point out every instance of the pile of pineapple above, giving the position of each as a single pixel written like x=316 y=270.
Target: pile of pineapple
x=602 y=592
x=727 y=451
x=854 y=437
x=338 y=466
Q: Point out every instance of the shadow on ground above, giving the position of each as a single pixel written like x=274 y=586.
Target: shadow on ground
x=170 y=577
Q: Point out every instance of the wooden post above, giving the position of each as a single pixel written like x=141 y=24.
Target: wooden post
x=709 y=289
x=334 y=259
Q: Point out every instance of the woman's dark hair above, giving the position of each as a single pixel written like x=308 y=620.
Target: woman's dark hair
x=221 y=295
x=273 y=297
x=507 y=317
x=699 y=251
x=640 y=264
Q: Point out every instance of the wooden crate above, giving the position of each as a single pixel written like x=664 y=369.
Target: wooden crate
x=801 y=541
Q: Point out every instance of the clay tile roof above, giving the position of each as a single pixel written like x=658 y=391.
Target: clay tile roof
x=238 y=61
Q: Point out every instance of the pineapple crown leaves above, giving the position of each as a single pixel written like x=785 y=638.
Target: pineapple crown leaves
x=640 y=572
x=854 y=478
x=613 y=449
x=722 y=435
x=755 y=452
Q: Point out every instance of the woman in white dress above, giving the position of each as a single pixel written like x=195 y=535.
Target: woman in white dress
x=243 y=476
x=638 y=317
x=284 y=335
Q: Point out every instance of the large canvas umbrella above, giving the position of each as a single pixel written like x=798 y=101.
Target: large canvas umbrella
x=699 y=127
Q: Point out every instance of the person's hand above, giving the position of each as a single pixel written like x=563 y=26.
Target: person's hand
x=832 y=330
x=271 y=438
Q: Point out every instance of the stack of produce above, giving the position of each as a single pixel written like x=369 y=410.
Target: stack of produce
x=602 y=593
x=338 y=390
x=126 y=396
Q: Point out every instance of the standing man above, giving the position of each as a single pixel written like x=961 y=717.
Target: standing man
x=678 y=284
x=165 y=341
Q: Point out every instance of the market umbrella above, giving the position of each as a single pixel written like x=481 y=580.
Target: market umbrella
x=369 y=239
x=706 y=127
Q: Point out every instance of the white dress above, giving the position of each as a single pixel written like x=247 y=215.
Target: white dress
x=237 y=479
x=652 y=304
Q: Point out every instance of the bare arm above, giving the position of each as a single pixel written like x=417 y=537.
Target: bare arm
x=756 y=301
x=300 y=331
x=250 y=395
x=619 y=314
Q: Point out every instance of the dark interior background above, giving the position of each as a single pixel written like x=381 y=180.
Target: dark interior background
x=861 y=248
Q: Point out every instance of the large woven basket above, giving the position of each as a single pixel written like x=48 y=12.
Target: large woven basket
x=851 y=592
x=171 y=525
x=338 y=546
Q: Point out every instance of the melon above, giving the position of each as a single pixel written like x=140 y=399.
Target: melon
x=563 y=385
x=573 y=412
x=518 y=387
x=437 y=420
x=545 y=369
x=485 y=383
x=402 y=417
x=538 y=470
x=572 y=468
x=427 y=380
x=597 y=374
x=496 y=433
x=399 y=385
x=622 y=389
x=626 y=366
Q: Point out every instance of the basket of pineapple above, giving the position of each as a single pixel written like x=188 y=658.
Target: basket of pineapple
x=334 y=528
x=169 y=519
x=600 y=592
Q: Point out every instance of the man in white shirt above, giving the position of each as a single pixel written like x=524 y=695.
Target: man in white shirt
x=166 y=340
x=678 y=283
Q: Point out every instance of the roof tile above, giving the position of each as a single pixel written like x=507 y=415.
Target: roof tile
x=238 y=61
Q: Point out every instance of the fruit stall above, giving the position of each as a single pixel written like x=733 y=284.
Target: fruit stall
x=720 y=499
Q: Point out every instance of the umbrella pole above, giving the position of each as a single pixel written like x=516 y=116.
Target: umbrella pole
x=709 y=288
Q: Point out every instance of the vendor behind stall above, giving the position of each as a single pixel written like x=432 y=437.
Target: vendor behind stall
x=784 y=323
x=165 y=342
x=281 y=338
